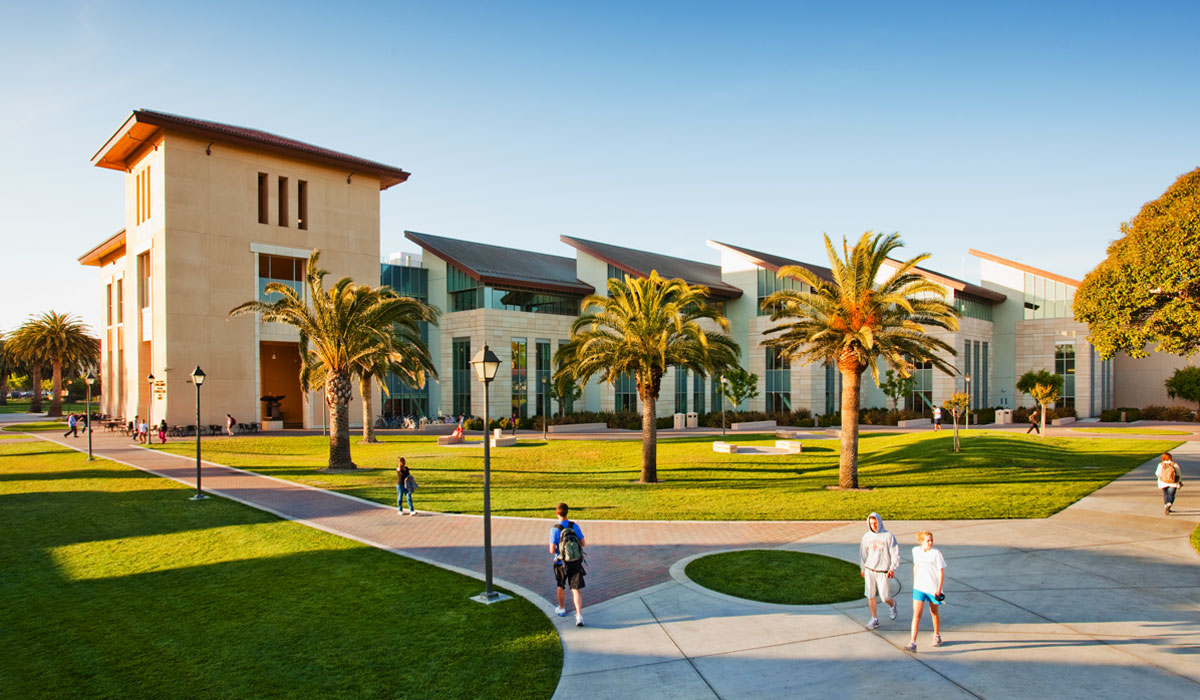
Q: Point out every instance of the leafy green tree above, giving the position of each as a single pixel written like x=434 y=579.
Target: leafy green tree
x=62 y=341
x=1185 y=384
x=854 y=321
x=566 y=391
x=738 y=385
x=957 y=405
x=341 y=330
x=643 y=327
x=1147 y=291
x=897 y=386
x=1044 y=387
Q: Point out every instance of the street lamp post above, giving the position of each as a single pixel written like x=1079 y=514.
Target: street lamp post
x=198 y=379
x=724 y=384
x=486 y=365
x=150 y=405
x=545 y=408
x=90 y=379
x=967 y=379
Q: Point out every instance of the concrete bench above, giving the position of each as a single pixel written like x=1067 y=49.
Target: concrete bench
x=504 y=441
x=792 y=447
x=1062 y=421
x=449 y=439
x=726 y=447
x=754 y=425
x=913 y=423
x=790 y=434
x=578 y=428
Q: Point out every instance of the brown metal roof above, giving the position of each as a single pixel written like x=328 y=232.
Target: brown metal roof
x=1024 y=268
x=112 y=244
x=640 y=263
x=496 y=265
x=958 y=285
x=141 y=127
x=773 y=262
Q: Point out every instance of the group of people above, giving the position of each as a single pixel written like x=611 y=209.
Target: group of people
x=75 y=421
x=139 y=429
x=879 y=558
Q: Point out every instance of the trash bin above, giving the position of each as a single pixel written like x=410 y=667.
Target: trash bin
x=1004 y=416
x=680 y=421
x=693 y=419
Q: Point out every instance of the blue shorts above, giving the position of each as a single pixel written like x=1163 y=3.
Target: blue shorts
x=923 y=597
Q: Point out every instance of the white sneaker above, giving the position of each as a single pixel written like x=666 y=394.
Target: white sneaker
x=937 y=640
x=873 y=623
x=579 y=619
x=892 y=610
x=560 y=611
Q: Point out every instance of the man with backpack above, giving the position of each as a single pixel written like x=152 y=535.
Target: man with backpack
x=566 y=544
x=1169 y=480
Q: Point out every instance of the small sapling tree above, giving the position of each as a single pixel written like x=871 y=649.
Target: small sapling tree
x=1185 y=384
x=956 y=406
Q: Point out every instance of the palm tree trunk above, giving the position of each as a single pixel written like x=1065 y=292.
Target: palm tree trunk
x=848 y=463
x=649 y=440
x=339 y=424
x=35 y=379
x=4 y=388
x=368 y=429
x=56 y=391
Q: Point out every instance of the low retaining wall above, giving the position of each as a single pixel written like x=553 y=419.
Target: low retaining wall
x=754 y=425
x=913 y=423
x=1062 y=421
x=578 y=428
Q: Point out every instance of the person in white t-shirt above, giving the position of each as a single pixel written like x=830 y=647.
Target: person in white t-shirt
x=929 y=573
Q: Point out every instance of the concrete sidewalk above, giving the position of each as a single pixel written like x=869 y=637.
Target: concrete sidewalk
x=1101 y=600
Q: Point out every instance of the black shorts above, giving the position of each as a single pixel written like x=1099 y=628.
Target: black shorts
x=569 y=573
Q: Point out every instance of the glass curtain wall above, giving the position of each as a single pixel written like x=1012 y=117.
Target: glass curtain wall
x=1064 y=365
x=769 y=283
x=698 y=392
x=779 y=381
x=626 y=392
x=681 y=390
x=461 y=376
x=542 y=377
x=520 y=378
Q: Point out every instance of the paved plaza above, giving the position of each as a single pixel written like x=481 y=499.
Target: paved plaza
x=1100 y=600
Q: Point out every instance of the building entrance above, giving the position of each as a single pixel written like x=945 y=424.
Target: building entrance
x=279 y=376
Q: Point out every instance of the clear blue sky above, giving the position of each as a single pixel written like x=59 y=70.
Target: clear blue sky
x=1028 y=130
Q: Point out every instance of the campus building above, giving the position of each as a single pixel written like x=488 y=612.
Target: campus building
x=214 y=212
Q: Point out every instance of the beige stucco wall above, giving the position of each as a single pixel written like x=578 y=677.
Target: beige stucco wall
x=204 y=238
x=1138 y=382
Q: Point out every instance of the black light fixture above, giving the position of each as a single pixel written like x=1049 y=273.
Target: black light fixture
x=486 y=365
x=90 y=379
x=198 y=379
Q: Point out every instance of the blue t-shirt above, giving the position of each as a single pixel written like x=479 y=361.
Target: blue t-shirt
x=556 y=534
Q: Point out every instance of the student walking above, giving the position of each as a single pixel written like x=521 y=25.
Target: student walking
x=72 y=426
x=162 y=431
x=230 y=422
x=1035 y=420
x=1169 y=480
x=566 y=544
x=144 y=432
x=878 y=557
x=937 y=418
x=405 y=485
x=929 y=573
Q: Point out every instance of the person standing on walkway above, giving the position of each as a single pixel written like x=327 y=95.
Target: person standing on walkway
x=1034 y=421
x=162 y=431
x=937 y=418
x=878 y=557
x=230 y=422
x=929 y=573
x=72 y=426
x=566 y=544
x=405 y=485
x=1169 y=480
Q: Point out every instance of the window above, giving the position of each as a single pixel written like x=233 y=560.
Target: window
x=542 y=377
x=406 y=281
x=277 y=268
x=681 y=390
x=779 y=381
x=971 y=307
x=302 y=204
x=833 y=390
x=567 y=408
x=1064 y=365
x=626 y=392
x=466 y=293
x=141 y=183
x=921 y=398
x=108 y=303
x=461 y=376
x=520 y=378
x=1046 y=298
x=263 y=197
x=283 y=201
x=120 y=301
x=976 y=379
x=698 y=393
x=985 y=397
x=716 y=394
x=769 y=283
x=143 y=291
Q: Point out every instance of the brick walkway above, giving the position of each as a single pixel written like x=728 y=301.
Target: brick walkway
x=623 y=556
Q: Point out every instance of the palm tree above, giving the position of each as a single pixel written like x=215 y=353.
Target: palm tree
x=855 y=320
x=643 y=327
x=61 y=340
x=343 y=326
x=6 y=367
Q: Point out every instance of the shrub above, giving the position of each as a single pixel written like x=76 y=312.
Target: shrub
x=1112 y=415
x=664 y=422
x=1154 y=412
x=1131 y=414
x=1178 y=413
x=475 y=424
x=805 y=423
x=1060 y=412
x=984 y=416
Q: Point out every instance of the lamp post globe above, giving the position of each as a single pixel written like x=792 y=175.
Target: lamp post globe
x=486 y=365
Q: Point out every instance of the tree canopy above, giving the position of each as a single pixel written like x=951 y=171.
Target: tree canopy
x=1147 y=291
x=1185 y=384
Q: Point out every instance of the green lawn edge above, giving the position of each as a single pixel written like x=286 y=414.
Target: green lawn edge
x=117 y=585
x=1196 y=539
x=38 y=427
x=778 y=576
x=912 y=476
x=1131 y=431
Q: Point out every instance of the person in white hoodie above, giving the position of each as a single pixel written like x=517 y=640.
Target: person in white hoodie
x=878 y=556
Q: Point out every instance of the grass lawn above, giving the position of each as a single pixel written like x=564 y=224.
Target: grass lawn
x=1196 y=539
x=22 y=406
x=774 y=576
x=116 y=585
x=40 y=426
x=1133 y=431
x=913 y=476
